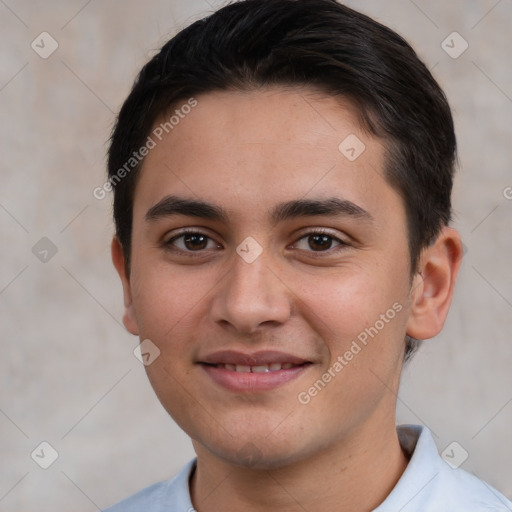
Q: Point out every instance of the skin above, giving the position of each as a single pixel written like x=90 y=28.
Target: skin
x=246 y=153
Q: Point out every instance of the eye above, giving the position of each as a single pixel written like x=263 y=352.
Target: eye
x=318 y=242
x=192 y=241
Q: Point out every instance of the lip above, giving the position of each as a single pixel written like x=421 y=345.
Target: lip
x=253 y=382
x=248 y=382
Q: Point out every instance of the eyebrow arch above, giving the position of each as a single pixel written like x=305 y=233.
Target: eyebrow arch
x=310 y=207
x=174 y=205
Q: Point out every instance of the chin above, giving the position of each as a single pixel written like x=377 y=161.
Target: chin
x=250 y=453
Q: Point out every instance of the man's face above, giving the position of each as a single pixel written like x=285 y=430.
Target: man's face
x=299 y=251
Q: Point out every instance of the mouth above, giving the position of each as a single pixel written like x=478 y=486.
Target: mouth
x=250 y=373
x=260 y=368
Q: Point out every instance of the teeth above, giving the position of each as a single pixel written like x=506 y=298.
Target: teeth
x=262 y=368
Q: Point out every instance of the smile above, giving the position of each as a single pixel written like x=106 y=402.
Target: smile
x=252 y=373
x=262 y=368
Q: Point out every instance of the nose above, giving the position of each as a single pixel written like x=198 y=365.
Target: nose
x=251 y=296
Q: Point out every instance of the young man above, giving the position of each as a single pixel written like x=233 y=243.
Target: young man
x=282 y=173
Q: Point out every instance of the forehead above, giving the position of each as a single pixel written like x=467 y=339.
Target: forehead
x=248 y=149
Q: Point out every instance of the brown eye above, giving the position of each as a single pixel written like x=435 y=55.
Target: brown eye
x=319 y=242
x=192 y=242
x=195 y=242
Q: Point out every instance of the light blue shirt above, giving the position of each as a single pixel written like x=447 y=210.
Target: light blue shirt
x=428 y=484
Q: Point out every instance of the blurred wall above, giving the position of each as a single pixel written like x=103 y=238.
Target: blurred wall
x=68 y=374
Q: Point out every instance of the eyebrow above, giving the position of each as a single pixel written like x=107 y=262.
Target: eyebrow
x=315 y=207
x=174 y=205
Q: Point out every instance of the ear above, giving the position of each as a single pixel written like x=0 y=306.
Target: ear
x=433 y=285
x=129 y=319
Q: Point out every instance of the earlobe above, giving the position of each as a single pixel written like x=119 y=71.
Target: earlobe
x=118 y=259
x=433 y=286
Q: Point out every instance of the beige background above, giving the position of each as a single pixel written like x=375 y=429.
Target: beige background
x=68 y=374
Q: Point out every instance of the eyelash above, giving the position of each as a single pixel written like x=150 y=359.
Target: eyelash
x=169 y=244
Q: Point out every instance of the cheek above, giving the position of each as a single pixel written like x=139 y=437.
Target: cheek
x=345 y=303
x=362 y=323
x=169 y=305
x=164 y=297
x=361 y=316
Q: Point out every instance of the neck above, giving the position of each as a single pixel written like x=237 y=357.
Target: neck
x=356 y=474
